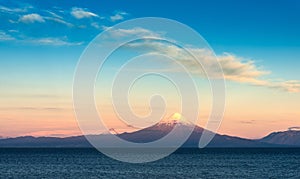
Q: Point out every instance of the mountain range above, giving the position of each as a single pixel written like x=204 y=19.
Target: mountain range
x=290 y=138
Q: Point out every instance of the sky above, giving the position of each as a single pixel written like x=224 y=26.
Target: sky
x=256 y=42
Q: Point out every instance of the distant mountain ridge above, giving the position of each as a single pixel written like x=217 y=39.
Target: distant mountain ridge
x=30 y=141
x=290 y=138
x=276 y=139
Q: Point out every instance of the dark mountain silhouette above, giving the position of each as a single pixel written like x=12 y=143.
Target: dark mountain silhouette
x=29 y=141
x=157 y=131
x=163 y=128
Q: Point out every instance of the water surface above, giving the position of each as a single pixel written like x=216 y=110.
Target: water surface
x=185 y=163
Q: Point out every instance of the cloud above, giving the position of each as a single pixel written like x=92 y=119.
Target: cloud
x=31 y=18
x=294 y=128
x=234 y=66
x=54 y=14
x=5 y=37
x=96 y=25
x=237 y=69
x=60 y=21
x=290 y=85
x=248 y=122
x=51 y=132
x=13 y=31
x=15 y=10
x=80 y=13
x=53 y=41
x=32 y=109
x=120 y=33
x=12 y=21
x=6 y=9
x=118 y=16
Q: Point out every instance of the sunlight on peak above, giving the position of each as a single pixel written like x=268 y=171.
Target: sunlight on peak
x=176 y=116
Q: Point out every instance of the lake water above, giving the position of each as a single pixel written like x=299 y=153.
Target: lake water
x=185 y=163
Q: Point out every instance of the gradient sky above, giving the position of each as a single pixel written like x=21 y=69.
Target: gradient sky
x=41 y=42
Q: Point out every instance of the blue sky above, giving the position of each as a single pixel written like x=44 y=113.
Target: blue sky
x=41 y=42
x=266 y=31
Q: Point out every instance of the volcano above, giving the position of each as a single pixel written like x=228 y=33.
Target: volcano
x=162 y=128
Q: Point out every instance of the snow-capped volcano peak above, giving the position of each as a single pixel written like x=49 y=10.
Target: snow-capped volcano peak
x=174 y=119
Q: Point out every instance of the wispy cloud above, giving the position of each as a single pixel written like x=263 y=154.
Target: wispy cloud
x=31 y=18
x=119 y=33
x=50 y=132
x=96 y=25
x=15 y=10
x=53 y=41
x=32 y=109
x=6 y=9
x=80 y=13
x=60 y=21
x=294 y=128
x=54 y=14
x=18 y=14
x=5 y=37
x=118 y=16
x=289 y=85
x=237 y=69
x=247 y=121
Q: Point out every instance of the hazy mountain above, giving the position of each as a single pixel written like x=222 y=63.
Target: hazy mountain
x=164 y=127
x=29 y=141
x=290 y=137
x=157 y=131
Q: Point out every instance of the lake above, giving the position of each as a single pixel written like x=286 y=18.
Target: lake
x=184 y=163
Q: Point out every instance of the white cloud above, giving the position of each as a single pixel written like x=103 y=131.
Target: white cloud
x=5 y=37
x=234 y=68
x=58 y=20
x=119 y=33
x=14 y=10
x=54 y=14
x=95 y=25
x=6 y=9
x=292 y=86
x=240 y=69
x=13 y=31
x=80 y=13
x=118 y=16
x=53 y=41
x=31 y=18
x=12 y=21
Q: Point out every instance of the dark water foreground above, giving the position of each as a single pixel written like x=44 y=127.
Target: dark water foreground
x=185 y=163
